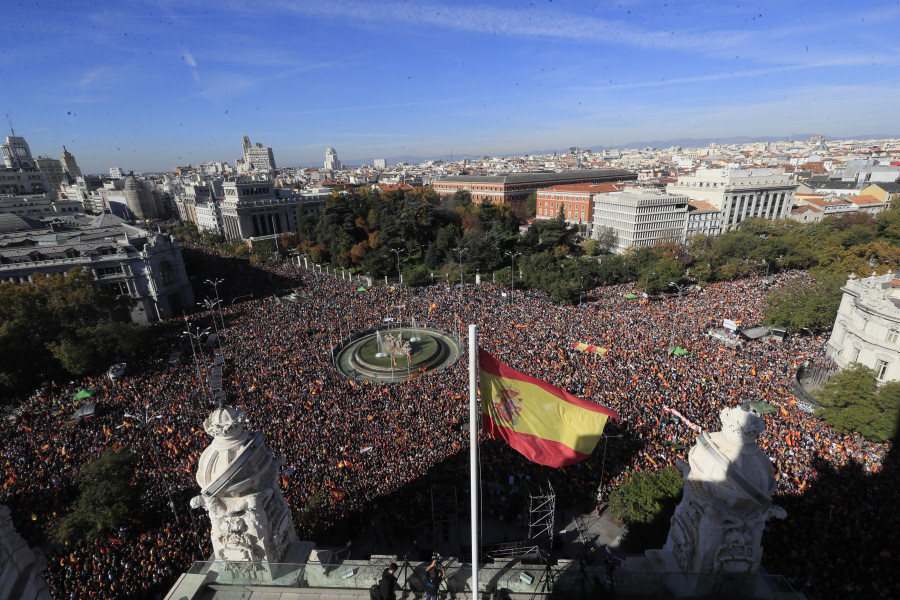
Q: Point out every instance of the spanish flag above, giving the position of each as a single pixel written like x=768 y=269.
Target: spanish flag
x=432 y=307
x=542 y=422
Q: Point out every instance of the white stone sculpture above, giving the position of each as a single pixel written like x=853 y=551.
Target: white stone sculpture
x=728 y=487
x=238 y=478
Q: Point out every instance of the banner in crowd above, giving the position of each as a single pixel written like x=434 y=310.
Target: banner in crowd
x=687 y=422
x=582 y=347
x=542 y=422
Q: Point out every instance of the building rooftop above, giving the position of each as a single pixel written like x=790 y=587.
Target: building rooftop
x=590 y=188
x=863 y=200
x=541 y=177
x=699 y=205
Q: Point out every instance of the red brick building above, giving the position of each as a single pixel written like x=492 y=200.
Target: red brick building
x=514 y=188
x=574 y=199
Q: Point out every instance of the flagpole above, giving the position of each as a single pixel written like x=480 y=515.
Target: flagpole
x=473 y=454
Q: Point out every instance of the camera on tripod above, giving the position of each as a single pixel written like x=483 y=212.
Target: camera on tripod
x=436 y=556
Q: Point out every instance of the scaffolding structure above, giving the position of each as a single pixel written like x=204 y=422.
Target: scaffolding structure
x=445 y=519
x=541 y=511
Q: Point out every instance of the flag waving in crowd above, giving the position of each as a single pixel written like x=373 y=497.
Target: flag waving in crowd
x=544 y=423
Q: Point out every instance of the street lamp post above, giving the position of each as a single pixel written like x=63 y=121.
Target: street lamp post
x=144 y=421
x=462 y=283
x=215 y=283
x=209 y=304
x=233 y=300
x=581 y=288
x=512 y=273
x=398 y=252
x=680 y=289
x=195 y=335
x=603 y=467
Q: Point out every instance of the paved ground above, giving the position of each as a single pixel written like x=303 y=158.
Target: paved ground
x=576 y=533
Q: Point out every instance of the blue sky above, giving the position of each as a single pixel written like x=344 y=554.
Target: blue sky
x=147 y=85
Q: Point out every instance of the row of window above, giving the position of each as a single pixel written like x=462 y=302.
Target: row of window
x=547 y=212
x=890 y=337
x=881 y=366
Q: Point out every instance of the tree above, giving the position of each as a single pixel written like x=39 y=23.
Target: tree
x=644 y=496
x=309 y=517
x=531 y=205
x=416 y=276
x=461 y=198
x=94 y=348
x=852 y=401
x=888 y=224
x=305 y=224
x=107 y=498
x=607 y=239
x=646 y=502
x=811 y=305
x=61 y=323
x=186 y=230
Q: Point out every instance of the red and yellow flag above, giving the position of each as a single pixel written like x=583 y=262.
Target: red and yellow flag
x=432 y=307
x=544 y=423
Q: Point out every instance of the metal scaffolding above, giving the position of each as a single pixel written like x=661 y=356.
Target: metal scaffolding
x=445 y=519
x=541 y=511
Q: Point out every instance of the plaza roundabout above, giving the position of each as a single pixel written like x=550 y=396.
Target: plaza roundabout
x=397 y=354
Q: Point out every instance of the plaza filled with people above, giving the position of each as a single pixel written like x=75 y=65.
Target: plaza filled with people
x=367 y=455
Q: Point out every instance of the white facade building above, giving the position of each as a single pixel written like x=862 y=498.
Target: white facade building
x=332 y=163
x=257 y=158
x=68 y=162
x=128 y=260
x=380 y=163
x=702 y=218
x=643 y=217
x=52 y=169
x=867 y=327
x=252 y=209
x=739 y=194
x=209 y=217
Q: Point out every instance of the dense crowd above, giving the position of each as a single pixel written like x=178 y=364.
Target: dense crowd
x=353 y=446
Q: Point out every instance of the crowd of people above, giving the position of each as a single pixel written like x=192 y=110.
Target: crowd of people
x=367 y=455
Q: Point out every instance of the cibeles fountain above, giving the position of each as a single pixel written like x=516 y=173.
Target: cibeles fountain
x=728 y=488
x=392 y=355
x=238 y=476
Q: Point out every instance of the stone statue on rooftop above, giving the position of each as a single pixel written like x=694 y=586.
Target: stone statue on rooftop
x=728 y=488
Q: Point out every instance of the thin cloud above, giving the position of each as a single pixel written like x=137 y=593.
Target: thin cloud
x=536 y=23
x=90 y=77
x=366 y=107
x=220 y=86
x=843 y=62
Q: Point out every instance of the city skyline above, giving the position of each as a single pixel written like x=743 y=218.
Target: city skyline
x=151 y=85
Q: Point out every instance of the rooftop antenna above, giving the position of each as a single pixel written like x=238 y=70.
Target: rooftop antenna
x=11 y=130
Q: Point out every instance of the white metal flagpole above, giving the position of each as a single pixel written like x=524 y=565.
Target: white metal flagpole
x=473 y=453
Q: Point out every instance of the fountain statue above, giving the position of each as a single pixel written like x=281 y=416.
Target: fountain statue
x=396 y=345
x=380 y=345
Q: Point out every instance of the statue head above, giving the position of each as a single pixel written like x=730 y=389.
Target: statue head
x=225 y=422
x=741 y=425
